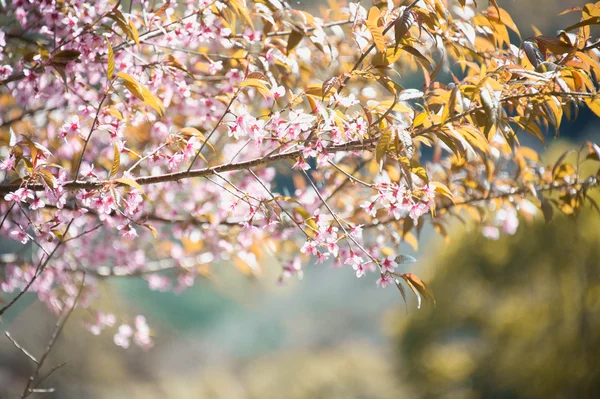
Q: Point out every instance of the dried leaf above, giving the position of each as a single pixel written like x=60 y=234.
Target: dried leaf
x=64 y=56
x=533 y=53
x=402 y=292
x=293 y=41
x=547 y=210
x=402 y=26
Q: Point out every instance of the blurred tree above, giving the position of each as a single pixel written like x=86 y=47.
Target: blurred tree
x=520 y=319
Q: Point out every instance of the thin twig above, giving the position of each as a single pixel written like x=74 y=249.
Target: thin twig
x=277 y=202
x=40 y=269
x=87 y=140
x=214 y=129
x=58 y=327
x=19 y=347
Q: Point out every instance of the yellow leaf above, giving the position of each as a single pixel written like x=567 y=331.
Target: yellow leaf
x=443 y=190
x=192 y=131
x=382 y=146
x=258 y=85
x=111 y=60
x=134 y=32
x=411 y=240
x=152 y=230
x=376 y=32
x=594 y=105
x=141 y=92
x=116 y=161
x=131 y=183
x=420 y=286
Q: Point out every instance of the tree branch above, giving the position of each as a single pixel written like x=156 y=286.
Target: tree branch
x=178 y=176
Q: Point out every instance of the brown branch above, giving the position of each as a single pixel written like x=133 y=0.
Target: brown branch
x=591 y=182
x=25 y=114
x=178 y=176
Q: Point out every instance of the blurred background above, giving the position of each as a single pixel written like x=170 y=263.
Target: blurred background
x=515 y=318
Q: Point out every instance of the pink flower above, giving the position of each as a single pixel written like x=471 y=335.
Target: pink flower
x=215 y=67
x=5 y=71
x=123 y=336
x=102 y=320
x=19 y=235
x=87 y=170
x=429 y=193
x=384 y=281
x=417 y=210
x=127 y=231
x=333 y=248
x=156 y=282
x=21 y=194
x=142 y=333
x=8 y=163
x=345 y=101
x=70 y=21
x=360 y=270
x=389 y=264
x=353 y=260
x=36 y=203
x=241 y=126
x=251 y=35
x=301 y=164
x=356 y=231
x=507 y=218
x=70 y=127
x=105 y=204
x=491 y=232
x=191 y=147
x=324 y=158
x=322 y=257
x=293 y=268
x=369 y=207
x=175 y=160
x=309 y=247
x=278 y=91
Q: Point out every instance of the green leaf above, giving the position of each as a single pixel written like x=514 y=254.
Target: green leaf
x=404 y=259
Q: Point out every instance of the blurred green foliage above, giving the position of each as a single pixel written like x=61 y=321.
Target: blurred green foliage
x=520 y=317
